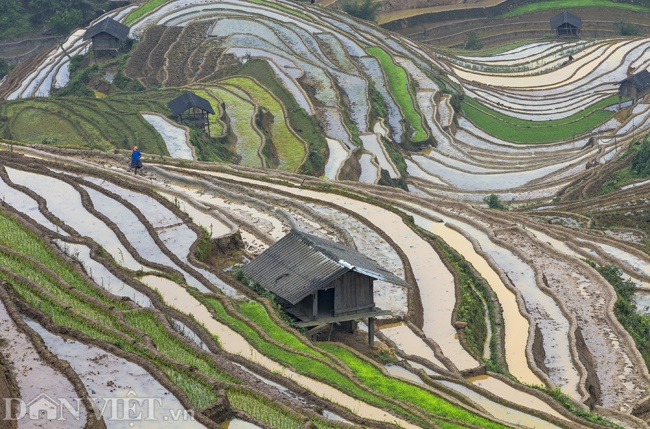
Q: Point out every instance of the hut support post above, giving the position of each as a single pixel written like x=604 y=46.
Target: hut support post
x=314 y=308
x=371 y=331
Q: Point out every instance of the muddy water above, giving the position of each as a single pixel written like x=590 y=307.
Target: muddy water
x=158 y=215
x=338 y=155
x=401 y=372
x=27 y=206
x=206 y=220
x=499 y=411
x=509 y=393
x=36 y=378
x=65 y=203
x=436 y=284
x=546 y=312
x=516 y=325
x=233 y=343
x=557 y=244
x=101 y=275
x=109 y=378
x=263 y=221
x=140 y=238
x=637 y=264
x=238 y=424
x=409 y=343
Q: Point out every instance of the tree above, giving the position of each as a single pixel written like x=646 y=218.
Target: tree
x=641 y=161
x=4 y=68
x=627 y=29
x=494 y=202
x=364 y=9
x=63 y=22
x=473 y=43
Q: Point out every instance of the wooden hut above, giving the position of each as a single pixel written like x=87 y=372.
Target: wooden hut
x=109 y=36
x=320 y=282
x=635 y=86
x=190 y=109
x=566 y=24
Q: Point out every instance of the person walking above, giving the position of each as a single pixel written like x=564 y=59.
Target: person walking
x=135 y=159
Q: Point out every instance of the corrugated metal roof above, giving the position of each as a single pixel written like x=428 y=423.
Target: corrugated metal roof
x=187 y=100
x=110 y=26
x=300 y=263
x=565 y=17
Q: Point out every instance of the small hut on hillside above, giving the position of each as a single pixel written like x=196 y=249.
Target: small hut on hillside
x=321 y=282
x=190 y=109
x=109 y=36
x=566 y=24
x=635 y=86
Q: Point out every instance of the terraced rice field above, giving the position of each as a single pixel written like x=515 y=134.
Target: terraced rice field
x=512 y=317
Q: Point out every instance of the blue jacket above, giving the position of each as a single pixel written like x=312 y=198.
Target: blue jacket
x=135 y=155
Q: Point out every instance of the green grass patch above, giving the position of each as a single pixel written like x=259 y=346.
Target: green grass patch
x=257 y=313
x=241 y=112
x=305 y=125
x=302 y=364
x=173 y=347
x=523 y=131
x=567 y=4
x=142 y=11
x=264 y=410
x=399 y=86
x=216 y=126
x=289 y=149
x=372 y=376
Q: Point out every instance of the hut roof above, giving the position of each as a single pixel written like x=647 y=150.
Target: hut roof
x=300 y=263
x=110 y=26
x=640 y=80
x=565 y=17
x=187 y=100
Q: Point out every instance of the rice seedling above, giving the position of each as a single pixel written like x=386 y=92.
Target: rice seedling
x=407 y=392
x=262 y=409
x=522 y=131
x=200 y=393
x=142 y=11
x=290 y=149
x=173 y=347
x=399 y=86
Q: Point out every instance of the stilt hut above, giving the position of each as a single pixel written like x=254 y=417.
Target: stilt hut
x=321 y=282
x=108 y=36
x=190 y=109
x=635 y=86
x=566 y=24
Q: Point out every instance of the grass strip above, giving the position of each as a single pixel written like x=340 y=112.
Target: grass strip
x=173 y=347
x=566 y=4
x=305 y=125
x=257 y=313
x=399 y=86
x=289 y=149
x=625 y=309
x=261 y=408
x=302 y=364
x=28 y=243
x=372 y=377
x=523 y=131
x=142 y=10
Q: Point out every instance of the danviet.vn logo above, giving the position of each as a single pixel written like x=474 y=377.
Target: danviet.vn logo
x=129 y=408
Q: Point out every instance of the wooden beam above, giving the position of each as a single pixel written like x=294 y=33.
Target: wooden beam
x=314 y=305
x=371 y=331
x=357 y=316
